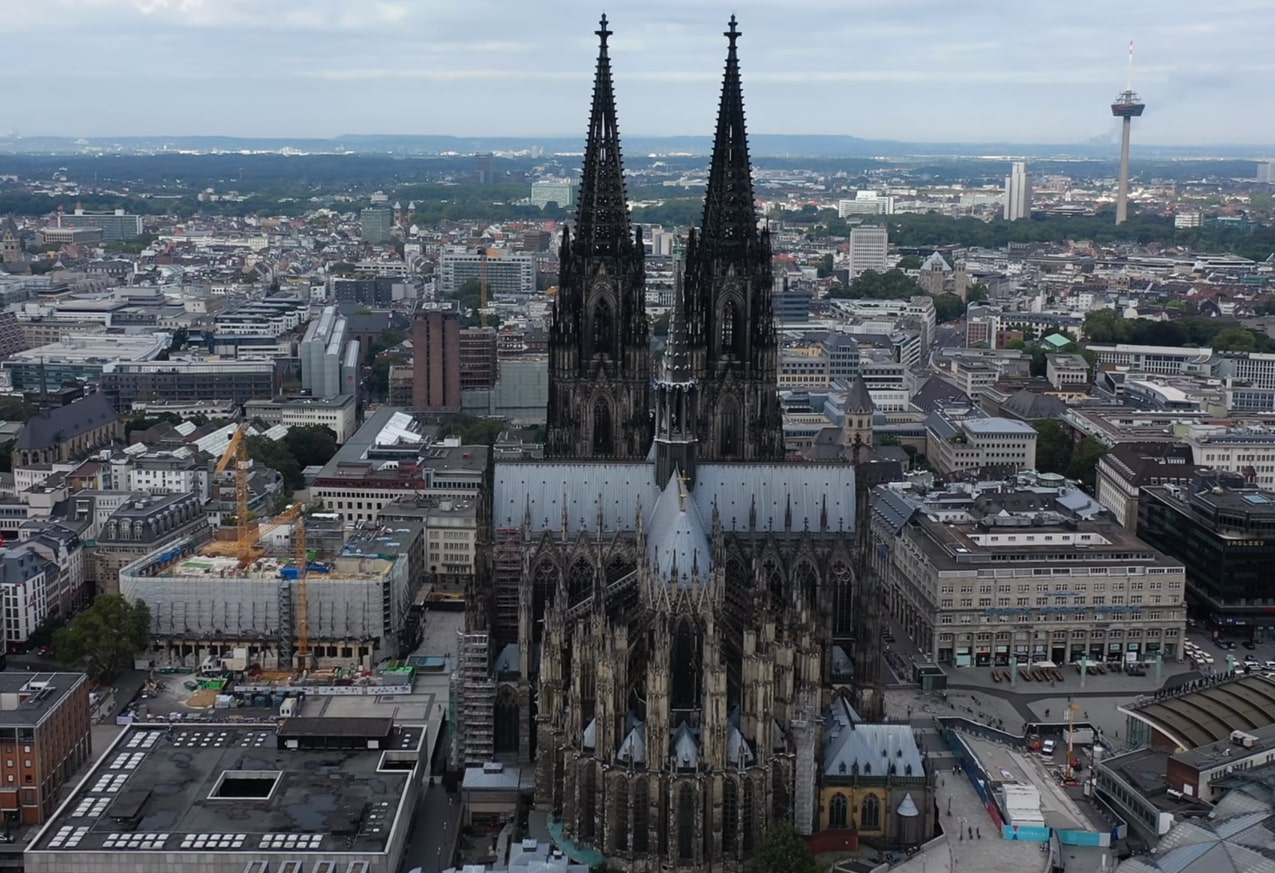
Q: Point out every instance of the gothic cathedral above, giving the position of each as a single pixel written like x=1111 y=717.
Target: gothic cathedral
x=668 y=604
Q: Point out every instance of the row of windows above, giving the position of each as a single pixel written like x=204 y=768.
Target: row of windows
x=1060 y=635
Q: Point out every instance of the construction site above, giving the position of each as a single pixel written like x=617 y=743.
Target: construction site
x=259 y=596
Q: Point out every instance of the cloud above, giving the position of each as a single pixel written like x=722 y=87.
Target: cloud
x=928 y=69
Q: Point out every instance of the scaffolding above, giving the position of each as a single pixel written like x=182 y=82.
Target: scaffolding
x=474 y=740
x=506 y=567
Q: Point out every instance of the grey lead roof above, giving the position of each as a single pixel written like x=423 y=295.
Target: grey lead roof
x=676 y=540
x=770 y=492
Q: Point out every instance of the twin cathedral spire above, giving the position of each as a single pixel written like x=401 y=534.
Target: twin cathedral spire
x=715 y=397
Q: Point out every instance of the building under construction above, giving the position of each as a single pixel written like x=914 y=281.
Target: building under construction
x=206 y=603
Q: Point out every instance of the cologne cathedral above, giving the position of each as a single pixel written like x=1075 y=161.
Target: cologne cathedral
x=671 y=601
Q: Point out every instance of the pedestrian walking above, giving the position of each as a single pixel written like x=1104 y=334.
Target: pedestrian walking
x=979 y=831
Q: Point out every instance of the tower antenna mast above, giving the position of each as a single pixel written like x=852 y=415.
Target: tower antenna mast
x=1129 y=86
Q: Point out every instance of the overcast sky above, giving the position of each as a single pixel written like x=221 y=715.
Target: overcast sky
x=1031 y=71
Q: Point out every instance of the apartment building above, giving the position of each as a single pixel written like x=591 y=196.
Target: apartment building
x=1023 y=571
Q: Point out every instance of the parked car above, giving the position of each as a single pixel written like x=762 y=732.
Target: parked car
x=1249 y=644
x=1047 y=748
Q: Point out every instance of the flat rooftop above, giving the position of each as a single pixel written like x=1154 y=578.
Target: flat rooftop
x=26 y=698
x=226 y=787
x=208 y=562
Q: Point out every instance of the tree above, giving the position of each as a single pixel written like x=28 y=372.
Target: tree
x=276 y=455
x=103 y=639
x=890 y=285
x=783 y=850
x=1053 y=446
x=1084 y=462
x=312 y=445
x=977 y=293
x=824 y=268
x=6 y=456
x=909 y=262
x=948 y=307
x=16 y=409
x=1234 y=339
x=474 y=431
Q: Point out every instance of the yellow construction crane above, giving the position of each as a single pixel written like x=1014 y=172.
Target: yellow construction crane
x=245 y=532
x=295 y=515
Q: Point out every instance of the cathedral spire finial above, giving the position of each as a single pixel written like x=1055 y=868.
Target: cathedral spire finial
x=729 y=214
x=602 y=217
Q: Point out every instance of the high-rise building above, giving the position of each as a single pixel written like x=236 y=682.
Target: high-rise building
x=479 y=367
x=869 y=246
x=683 y=663
x=375 y=225
x=1018 y=192
x=116 y=225
x=547 y=191
x=1266 y=172
x=507 y=272
x=436 y=365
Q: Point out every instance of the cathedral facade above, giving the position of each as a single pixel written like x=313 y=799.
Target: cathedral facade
x=676 y=601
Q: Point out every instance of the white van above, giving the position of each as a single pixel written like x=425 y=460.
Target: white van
x=1047 y=748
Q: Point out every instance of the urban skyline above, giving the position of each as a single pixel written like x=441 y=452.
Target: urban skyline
x=390 y=67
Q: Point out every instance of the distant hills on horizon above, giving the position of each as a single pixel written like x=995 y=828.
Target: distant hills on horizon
x=761 y=145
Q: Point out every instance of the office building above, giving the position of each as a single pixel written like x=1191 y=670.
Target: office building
x=562 y=193
x=1223 y=529
x=115 y=225
x=1160 y=360
x=319 y=795
x=960 y=439
x=1266 y=172
x=1018 y=192
x=392 y=457
x=44 y=740
x=479 y=367
x=1128 y=467
x=451 y=536
x=1063 y=369
x=329 y=357
x=375 y=225
x=436 y=361
x=82 y=358
x=336 y=413
x=508 y=273
x=193 y=379
x=869 y=248
x=1021 y=572
x=1248 y=452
